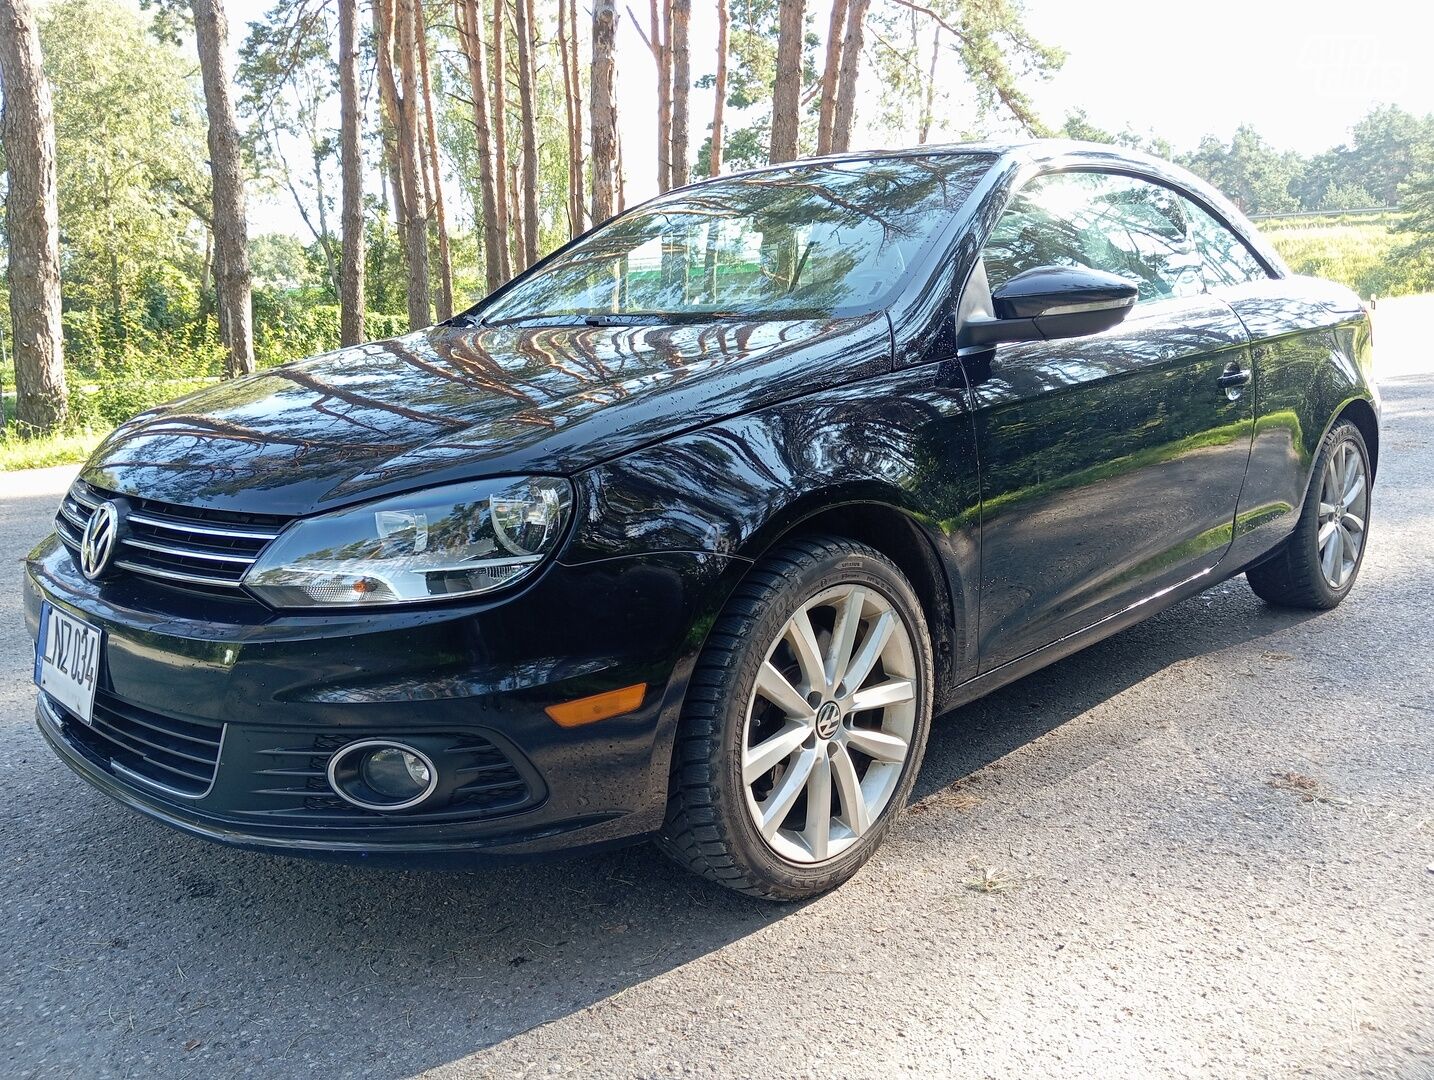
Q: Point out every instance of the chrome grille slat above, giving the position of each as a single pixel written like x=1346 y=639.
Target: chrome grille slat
x=198 y=548
x=176 y=575
x=188 y=553
x=83 y=497
x=72 y=517
x=202 y=530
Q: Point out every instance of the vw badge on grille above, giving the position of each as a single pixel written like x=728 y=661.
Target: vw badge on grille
x=97 y=547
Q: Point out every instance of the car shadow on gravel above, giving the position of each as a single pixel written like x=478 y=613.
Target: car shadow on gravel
x=196 y=958
x=969 y=738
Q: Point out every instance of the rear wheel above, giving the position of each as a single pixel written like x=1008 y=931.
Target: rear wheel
x=1316 y=567
x=805 y=723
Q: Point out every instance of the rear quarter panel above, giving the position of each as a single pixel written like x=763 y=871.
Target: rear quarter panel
x=1312 y=351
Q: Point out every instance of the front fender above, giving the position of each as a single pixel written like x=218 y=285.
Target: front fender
x=901 y=444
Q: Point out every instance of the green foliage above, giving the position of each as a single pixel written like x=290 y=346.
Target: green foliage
x=288 y=76
x=1359 y=252
x=1249 y=171
x=130 y=150
x=1416 y=230
x=1349 y=196
x=1378 y=158
x=1367 y=171
x=1077 y=125
x=288 y=327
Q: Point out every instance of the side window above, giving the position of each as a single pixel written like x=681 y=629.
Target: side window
x=1109 y=222
x=1224 y=258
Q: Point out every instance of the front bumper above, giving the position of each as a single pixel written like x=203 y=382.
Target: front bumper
x=279 y=692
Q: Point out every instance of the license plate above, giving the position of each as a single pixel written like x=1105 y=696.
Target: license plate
x=67 y=660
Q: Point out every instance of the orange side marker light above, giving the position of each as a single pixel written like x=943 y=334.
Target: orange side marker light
x=589 y=710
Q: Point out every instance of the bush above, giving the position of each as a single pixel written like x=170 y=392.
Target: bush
x=104 y=405
x=287 y=328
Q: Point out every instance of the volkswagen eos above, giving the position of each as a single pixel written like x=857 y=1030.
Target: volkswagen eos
x=688 y=531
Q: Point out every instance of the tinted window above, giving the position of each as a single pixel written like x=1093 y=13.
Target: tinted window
x=1126 y=226
x=1224 y=258
x=815 y=240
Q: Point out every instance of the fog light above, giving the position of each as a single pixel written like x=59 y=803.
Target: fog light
x=376 y=774
x=394 y=773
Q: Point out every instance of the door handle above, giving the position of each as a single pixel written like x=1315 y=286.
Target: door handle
x=1233 y=376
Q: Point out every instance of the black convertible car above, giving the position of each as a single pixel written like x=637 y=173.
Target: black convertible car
x=688 y=531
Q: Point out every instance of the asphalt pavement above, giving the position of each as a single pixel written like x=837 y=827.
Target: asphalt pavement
x=1203 y=848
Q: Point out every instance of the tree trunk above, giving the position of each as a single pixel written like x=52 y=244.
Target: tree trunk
x=500 y=133
x=836 y=32
x=515 y=213
x=351 y=268
x=846 y=84
x=206 y=268
x=681 y=58
x=928 y=105
x=231 y=239
x=619 y=169
x=604 y=118
x=527 y=96
x=409 y=169
x=572 y=103
x=568 y=114
x=786 y=95
x=323 y=237
x=445 y=258
x=719 y=88
x=32 y=220
x=580 y=201
x=660 y=26
x=470 y=24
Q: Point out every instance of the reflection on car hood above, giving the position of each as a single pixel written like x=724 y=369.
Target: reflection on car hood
x=452 y=403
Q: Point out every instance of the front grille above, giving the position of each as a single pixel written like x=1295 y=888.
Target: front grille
x=177 y=755
x=186 y=546
x=291 y=782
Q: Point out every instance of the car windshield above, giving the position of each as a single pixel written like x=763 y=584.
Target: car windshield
x=835 y=238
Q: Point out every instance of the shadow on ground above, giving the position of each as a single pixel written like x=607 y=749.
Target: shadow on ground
x=166 y=941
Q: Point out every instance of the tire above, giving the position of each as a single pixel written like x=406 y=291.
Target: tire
x=715 y=813
x=1299 y=574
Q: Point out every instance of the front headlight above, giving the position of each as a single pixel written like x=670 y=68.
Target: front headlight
x=459 y=540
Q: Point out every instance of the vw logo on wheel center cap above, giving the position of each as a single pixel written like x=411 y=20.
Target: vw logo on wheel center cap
x=828 y=719
x=101 y=538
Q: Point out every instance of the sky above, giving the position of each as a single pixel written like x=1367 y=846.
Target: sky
x=1301 y=71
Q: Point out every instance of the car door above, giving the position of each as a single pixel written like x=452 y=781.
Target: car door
x=1111 y=464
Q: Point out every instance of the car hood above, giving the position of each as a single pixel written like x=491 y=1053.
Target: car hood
x=457 y=402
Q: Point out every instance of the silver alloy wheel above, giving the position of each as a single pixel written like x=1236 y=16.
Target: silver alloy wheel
x=1343 y=511
x=829 y=724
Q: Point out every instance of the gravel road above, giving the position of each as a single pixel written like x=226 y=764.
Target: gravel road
x=1202 y=848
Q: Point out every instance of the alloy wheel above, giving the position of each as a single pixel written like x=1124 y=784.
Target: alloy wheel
x=1343 y=511
x=829 y=724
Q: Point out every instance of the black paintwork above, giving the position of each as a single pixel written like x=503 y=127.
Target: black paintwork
x=1040 y=494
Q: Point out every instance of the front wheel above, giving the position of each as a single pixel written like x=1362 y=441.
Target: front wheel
x=804 y=725
x=1316 y=567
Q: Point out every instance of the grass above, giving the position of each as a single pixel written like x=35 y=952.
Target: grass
x=95 y=408
x=992 y=881
x=66 y=448
x=1358 y=252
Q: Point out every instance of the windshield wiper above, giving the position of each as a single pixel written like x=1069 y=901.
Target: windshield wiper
x=657 y=318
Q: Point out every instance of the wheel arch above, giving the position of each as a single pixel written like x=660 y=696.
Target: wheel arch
x=896 y=534
x=1360 y=413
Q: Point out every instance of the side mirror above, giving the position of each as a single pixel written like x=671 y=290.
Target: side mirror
x=1052 y=302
